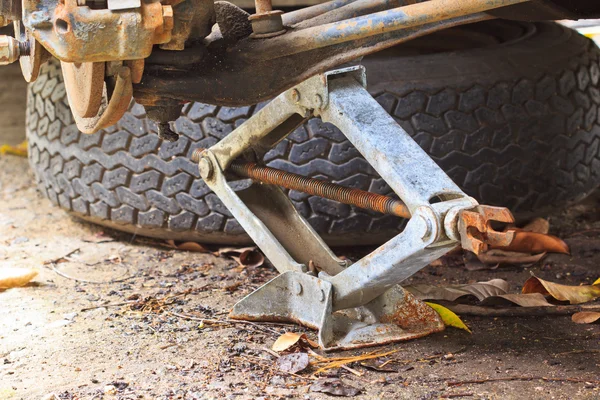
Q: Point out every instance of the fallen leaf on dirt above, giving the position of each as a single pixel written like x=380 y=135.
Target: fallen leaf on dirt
x=252 y=258
x=585 y=317
x=293 y=363
x=288 y=339
x=480 y=290
x=496 y=257
x=533 y=242
x=523 y=300
x=596 y=282
x=539 y=225
x=188 y=246
x=232 y=250
x=449 y=318
x=334 y=387
x=99 y=237
x=15 y=277
x=18 y=150
x=572 y=294
x=472 y=262
x=245 y=256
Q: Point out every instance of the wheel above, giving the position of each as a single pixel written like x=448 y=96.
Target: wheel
x=508 y=109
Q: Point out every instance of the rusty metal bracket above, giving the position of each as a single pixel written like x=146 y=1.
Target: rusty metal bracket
x=476 y=232
x=351 y=305
x=77 y=33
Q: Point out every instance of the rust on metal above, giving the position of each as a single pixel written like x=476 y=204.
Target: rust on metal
x=111 y=109
x=84 y=83
x=476 y=232
x=263 y=6
x=137 y=69
x=75 y=33
x=316 y=187
x=266 y=22
x=34 y=56
x=413 y=315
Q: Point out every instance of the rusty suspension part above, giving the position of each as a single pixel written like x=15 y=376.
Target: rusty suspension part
x=316 y=187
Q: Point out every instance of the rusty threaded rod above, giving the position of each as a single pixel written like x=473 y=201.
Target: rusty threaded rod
x=317 y=187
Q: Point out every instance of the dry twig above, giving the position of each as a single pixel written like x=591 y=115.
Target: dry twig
x=521 y=378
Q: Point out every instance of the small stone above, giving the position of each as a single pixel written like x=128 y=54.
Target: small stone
x=110 y=389
x=70 y=316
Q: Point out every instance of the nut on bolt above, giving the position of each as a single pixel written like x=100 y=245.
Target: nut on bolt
x=204 y=163
x=206 y=168
x=266 y=22
x=11 y=50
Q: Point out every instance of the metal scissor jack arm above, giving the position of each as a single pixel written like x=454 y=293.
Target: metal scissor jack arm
x=351 y=305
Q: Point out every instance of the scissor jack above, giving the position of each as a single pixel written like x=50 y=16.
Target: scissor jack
x=359 y=304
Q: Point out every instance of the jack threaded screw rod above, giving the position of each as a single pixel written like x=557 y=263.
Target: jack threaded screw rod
x=316 y=187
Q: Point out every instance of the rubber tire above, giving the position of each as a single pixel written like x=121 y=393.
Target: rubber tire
x=514 y=124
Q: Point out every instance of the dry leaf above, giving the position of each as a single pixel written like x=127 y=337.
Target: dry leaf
x=188 y=246
x=496 y=257
x=245 y=256
x=252 y=258
x=523 y=300
x=539 y=225
x=572 y=294
x=293 y=363
x=449 y=318
x=232 y=250
x=533 y=243
x=98 y=238
x=18 y=150
x=334 y=387
x=473 y=262
x=481 y=290
x=15 y=277
x=288 y=339
x=585 y=317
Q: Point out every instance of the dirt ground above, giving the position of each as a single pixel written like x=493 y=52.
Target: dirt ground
x=95 y=340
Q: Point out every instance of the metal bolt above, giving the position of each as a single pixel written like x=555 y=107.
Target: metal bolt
x=318 y=101
x=427 y=228
x=322 y=296
x=206 y=168
x=197 y=154
x=297 y=288
x=266 y=22
x=11 y=50
x=295 y=95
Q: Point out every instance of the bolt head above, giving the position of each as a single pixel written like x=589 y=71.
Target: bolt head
x=295 y=96
x=206 y=168
x=322 y=296
x=297 y=288
x=318 y=101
